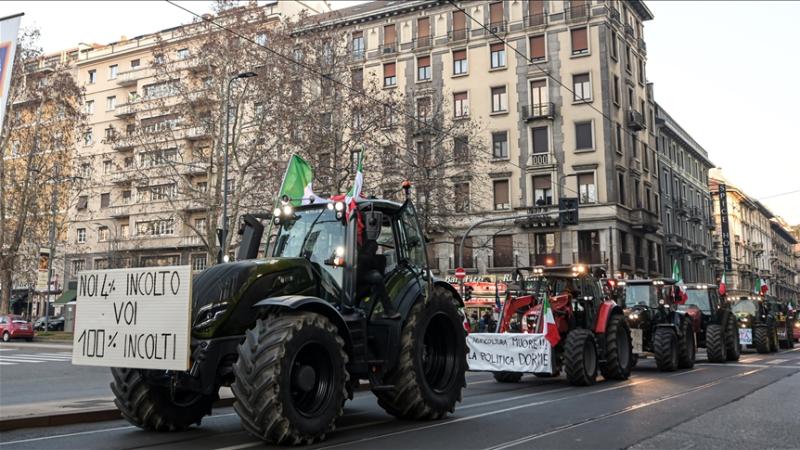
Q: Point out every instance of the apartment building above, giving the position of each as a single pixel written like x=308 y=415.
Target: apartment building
x=128 y=214
x=686 y=209
x=783 y=261
x=559 y=90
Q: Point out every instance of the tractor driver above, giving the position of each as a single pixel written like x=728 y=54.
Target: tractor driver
x=371 y=266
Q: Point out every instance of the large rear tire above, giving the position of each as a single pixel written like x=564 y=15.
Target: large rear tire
x=687 y=346
x=291 y=381
x=507 y=377
x=580 y=357
x=773 y=339
x=761 y=338
x=152 y=406
x=733 y=348
x=429 y=375
x=619 y=350
x=715 y=344
x=665 y=346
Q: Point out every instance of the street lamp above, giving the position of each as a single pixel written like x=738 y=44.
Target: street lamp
x=224 y=235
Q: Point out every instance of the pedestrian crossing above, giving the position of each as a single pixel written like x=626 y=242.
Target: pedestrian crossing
x=10 y=359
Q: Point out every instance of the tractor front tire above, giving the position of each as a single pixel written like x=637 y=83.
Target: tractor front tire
x=507 y=377
x=291 y=381
x=665 y=346
x=429 y=374
x=715 y=344
x=773 y=341
x=152 y=407
x=687 y=346
x=580 y=357
x=733 y=348
x=761 y=338
x=619 y=349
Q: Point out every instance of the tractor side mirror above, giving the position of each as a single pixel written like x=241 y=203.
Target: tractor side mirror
x=372 y=224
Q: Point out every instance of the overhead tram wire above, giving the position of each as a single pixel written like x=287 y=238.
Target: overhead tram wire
x=361 y=92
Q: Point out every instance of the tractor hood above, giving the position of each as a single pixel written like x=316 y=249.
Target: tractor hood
x=223 y=295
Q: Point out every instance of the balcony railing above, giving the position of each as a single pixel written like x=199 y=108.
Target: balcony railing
x=539 y=111
x=628 y=30
x=536 y=20
x=642 y=45
x=644 y=220
x=130 y=77
x=458 y=35
x=695 y=214
x=592 y=257
x=578 y=12
x=542 y=159
x=126 y=109
x=422 y=42
x=123 y=143
x=498 y=27
x=613 y=13
x=388 y=49
x=636 y=120
x=357 y=55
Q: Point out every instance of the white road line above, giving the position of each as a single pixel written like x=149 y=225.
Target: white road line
x=759 y=366
x=19 y=360
x=45 y=357
x=7 y=363
x=777 y=361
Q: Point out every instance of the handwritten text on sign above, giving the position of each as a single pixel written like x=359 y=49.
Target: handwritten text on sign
x=134 y=318
x=508 y=352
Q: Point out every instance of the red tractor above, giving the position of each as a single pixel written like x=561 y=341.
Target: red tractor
x=594 y=333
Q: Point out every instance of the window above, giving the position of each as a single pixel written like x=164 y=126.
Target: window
x=423 y=108
x=261 y=39
x=542 y=190
x=641 y=70
x=423 y=32
x=499 y=99
x=496 y=14
x=163 y=191
x=537 y=48
x=90 y=107
x=389 y=38
x=105 y=200
x=183 y=53
x=201 y=225
x=128 y=162
x=586 y=188
x=536 y=12
x=424 y=68
x=461 y=104
x=389 y=75
x=461 y=148
x=498 y=54
x=199 y=262
x=113 y=71
x=357 y=78
x=358 y=44
x=500 y=145
x=92 y=76
x=126 y=196
x=583 y=136
x=461 y=197
x=503 y=251
x=627 y=58
x=389 y=156
x=539 y=97
x=614 y=46
x=467 y=261
x=78 y=265
x=86 y=170
x=621 y=188
x=460 y=62
x=580 y=42
x=108 y=166
x=501 y=195
x=81 y=235
x=637 y=193
x=88 y=137
x=111 y=103
x=102 y=234
x=541 y=141
x=581 y=87
x=459 y=25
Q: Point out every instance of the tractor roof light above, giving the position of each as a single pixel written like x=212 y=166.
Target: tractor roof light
x=330 y=206
x=338 y=206
x=277 y=212
x=287 y=210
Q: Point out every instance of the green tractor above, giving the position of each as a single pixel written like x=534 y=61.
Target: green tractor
x=758 y=325
x=294 y=333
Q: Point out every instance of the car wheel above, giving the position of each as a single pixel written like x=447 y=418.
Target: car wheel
x=6 y=336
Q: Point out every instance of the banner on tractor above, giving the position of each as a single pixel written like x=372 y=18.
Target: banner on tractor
x=508 y=352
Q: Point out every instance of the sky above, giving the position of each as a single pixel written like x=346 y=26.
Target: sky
x=719 y=69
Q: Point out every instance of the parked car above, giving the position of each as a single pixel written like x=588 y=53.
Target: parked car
x=15 y=327
x=53 y=323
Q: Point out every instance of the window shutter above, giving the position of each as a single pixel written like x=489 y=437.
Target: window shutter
x=357 y=34
x=503 y=251
x=424 y=61
x=501 y=192
x=496 y=12
x=541 y=182
x=389 y=70
x=459 y=55
x=459 y=21
x=540 y=140
x=423 y=27
x=537 y=47
x=579 y=40
x=497 y=47
x=389 y=35
x=585 y=178
x=460 y=96
x=536 y=7
x=583 y=135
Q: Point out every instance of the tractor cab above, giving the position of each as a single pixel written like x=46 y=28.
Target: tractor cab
x=653 y=293
x=749 y=310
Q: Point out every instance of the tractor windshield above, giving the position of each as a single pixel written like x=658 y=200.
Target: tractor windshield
x=745 y=307
x=315 y=234
x=698 y=298
x=641 y=294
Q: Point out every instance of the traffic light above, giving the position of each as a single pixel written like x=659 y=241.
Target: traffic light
x=568 y=211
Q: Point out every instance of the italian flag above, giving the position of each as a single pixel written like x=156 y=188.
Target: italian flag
x=761 y=286
x=549 y=329
x=723 y=285
x=351 y=198
x=676 y=275
x=297 y=182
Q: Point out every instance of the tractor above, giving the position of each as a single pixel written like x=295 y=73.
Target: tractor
x=785 y=322
x=713 y=322
x=594 y=333
x=657 y=327
x=293 y=333
x=757 y=324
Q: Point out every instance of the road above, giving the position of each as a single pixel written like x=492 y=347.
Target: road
x=714 y=405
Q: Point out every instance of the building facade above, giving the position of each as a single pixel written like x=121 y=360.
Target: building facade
x=783 y=262
x=559 y=88
x=686 y=212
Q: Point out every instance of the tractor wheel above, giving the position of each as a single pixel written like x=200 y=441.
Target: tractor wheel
x=507 y=377
x=687 y=347
x=665 y=346
x=761 y=338
x=733 y=348
x=429 y=374
x=618 y=349
x=152 y=406
x=773 y=339
x=715 y=344
x=580 y=357
x=789 y=342
x=291 y=381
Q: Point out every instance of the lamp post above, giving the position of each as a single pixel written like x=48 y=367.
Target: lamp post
x=224 y=235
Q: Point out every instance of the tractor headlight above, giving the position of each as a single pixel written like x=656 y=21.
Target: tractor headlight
x=287 y=210
x=209 y=314
x=339 y=206
x=277 y=212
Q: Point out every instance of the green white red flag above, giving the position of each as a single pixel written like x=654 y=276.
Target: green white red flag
x=676 y=275
x=723 y=285
x=550 y=328
x=761 y=286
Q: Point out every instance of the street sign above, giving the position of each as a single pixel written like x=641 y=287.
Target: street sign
x=136 y=318
x=460 y=273
x=727 y=260
x=41 y=273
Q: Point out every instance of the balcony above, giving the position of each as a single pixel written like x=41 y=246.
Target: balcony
x=711 y=224
x=387 y=49
x=636 y=120
x=635 y=164
x=458 y=35
x=628 y=30
x=695 y=214
x=591 y=257
x=123 y=143
x=673 y=241
x=196 y=133
x=578 y=13
x=120 y=212
x=130 y=77
x=644 y=220
x=423 y=42
x=498 y=27
x=357 y=56
x=124 y=176
x=545 y=259
x=544 y=216
x=639 y=266
x=542 y=159
x=539 y=111
x=423 y=125
x=625 y=259
x=652 y=265
x=613 y=13
x=536 y=20
x=194 y=168
x=681 y=207
x=641 y=44
x=698 y=251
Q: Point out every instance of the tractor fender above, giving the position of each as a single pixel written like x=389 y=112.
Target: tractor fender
x=607 y=308
x=309 y=304
x=447 y=286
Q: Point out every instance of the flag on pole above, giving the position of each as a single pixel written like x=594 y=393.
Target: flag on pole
x=550 y=328
x=9 y=27
x=761 y=287
x=723 y=285
x=297 y=182
x=676 y=275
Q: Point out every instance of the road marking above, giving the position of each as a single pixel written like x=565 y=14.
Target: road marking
x=6 y=363
x=777 y=361
x=39 y=356
x=16 y=358
x=760 y=366
x=19 y=360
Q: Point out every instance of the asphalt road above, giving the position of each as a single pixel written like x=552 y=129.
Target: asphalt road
x=708 y=406
x=33 y=373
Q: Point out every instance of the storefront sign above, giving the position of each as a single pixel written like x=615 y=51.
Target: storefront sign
x=41 y=273
x=136 y=318
x=509 y=352
x=724 y=229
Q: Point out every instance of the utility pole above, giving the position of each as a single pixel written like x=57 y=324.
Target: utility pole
x=51 y=245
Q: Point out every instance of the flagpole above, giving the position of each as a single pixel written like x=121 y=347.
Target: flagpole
x=275 y=203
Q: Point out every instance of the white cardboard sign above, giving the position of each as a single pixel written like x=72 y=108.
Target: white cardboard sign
x=745 y=336
x=508 y=352
x=636 y=339
x=137 y=318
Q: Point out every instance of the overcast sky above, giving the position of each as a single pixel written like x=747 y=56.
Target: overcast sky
x=718 y=68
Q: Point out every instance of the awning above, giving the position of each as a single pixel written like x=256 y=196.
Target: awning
x=67 y=296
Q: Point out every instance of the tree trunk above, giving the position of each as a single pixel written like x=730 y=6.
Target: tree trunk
x=5 y=280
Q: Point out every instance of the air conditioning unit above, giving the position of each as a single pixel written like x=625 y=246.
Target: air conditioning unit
x=387 y=50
